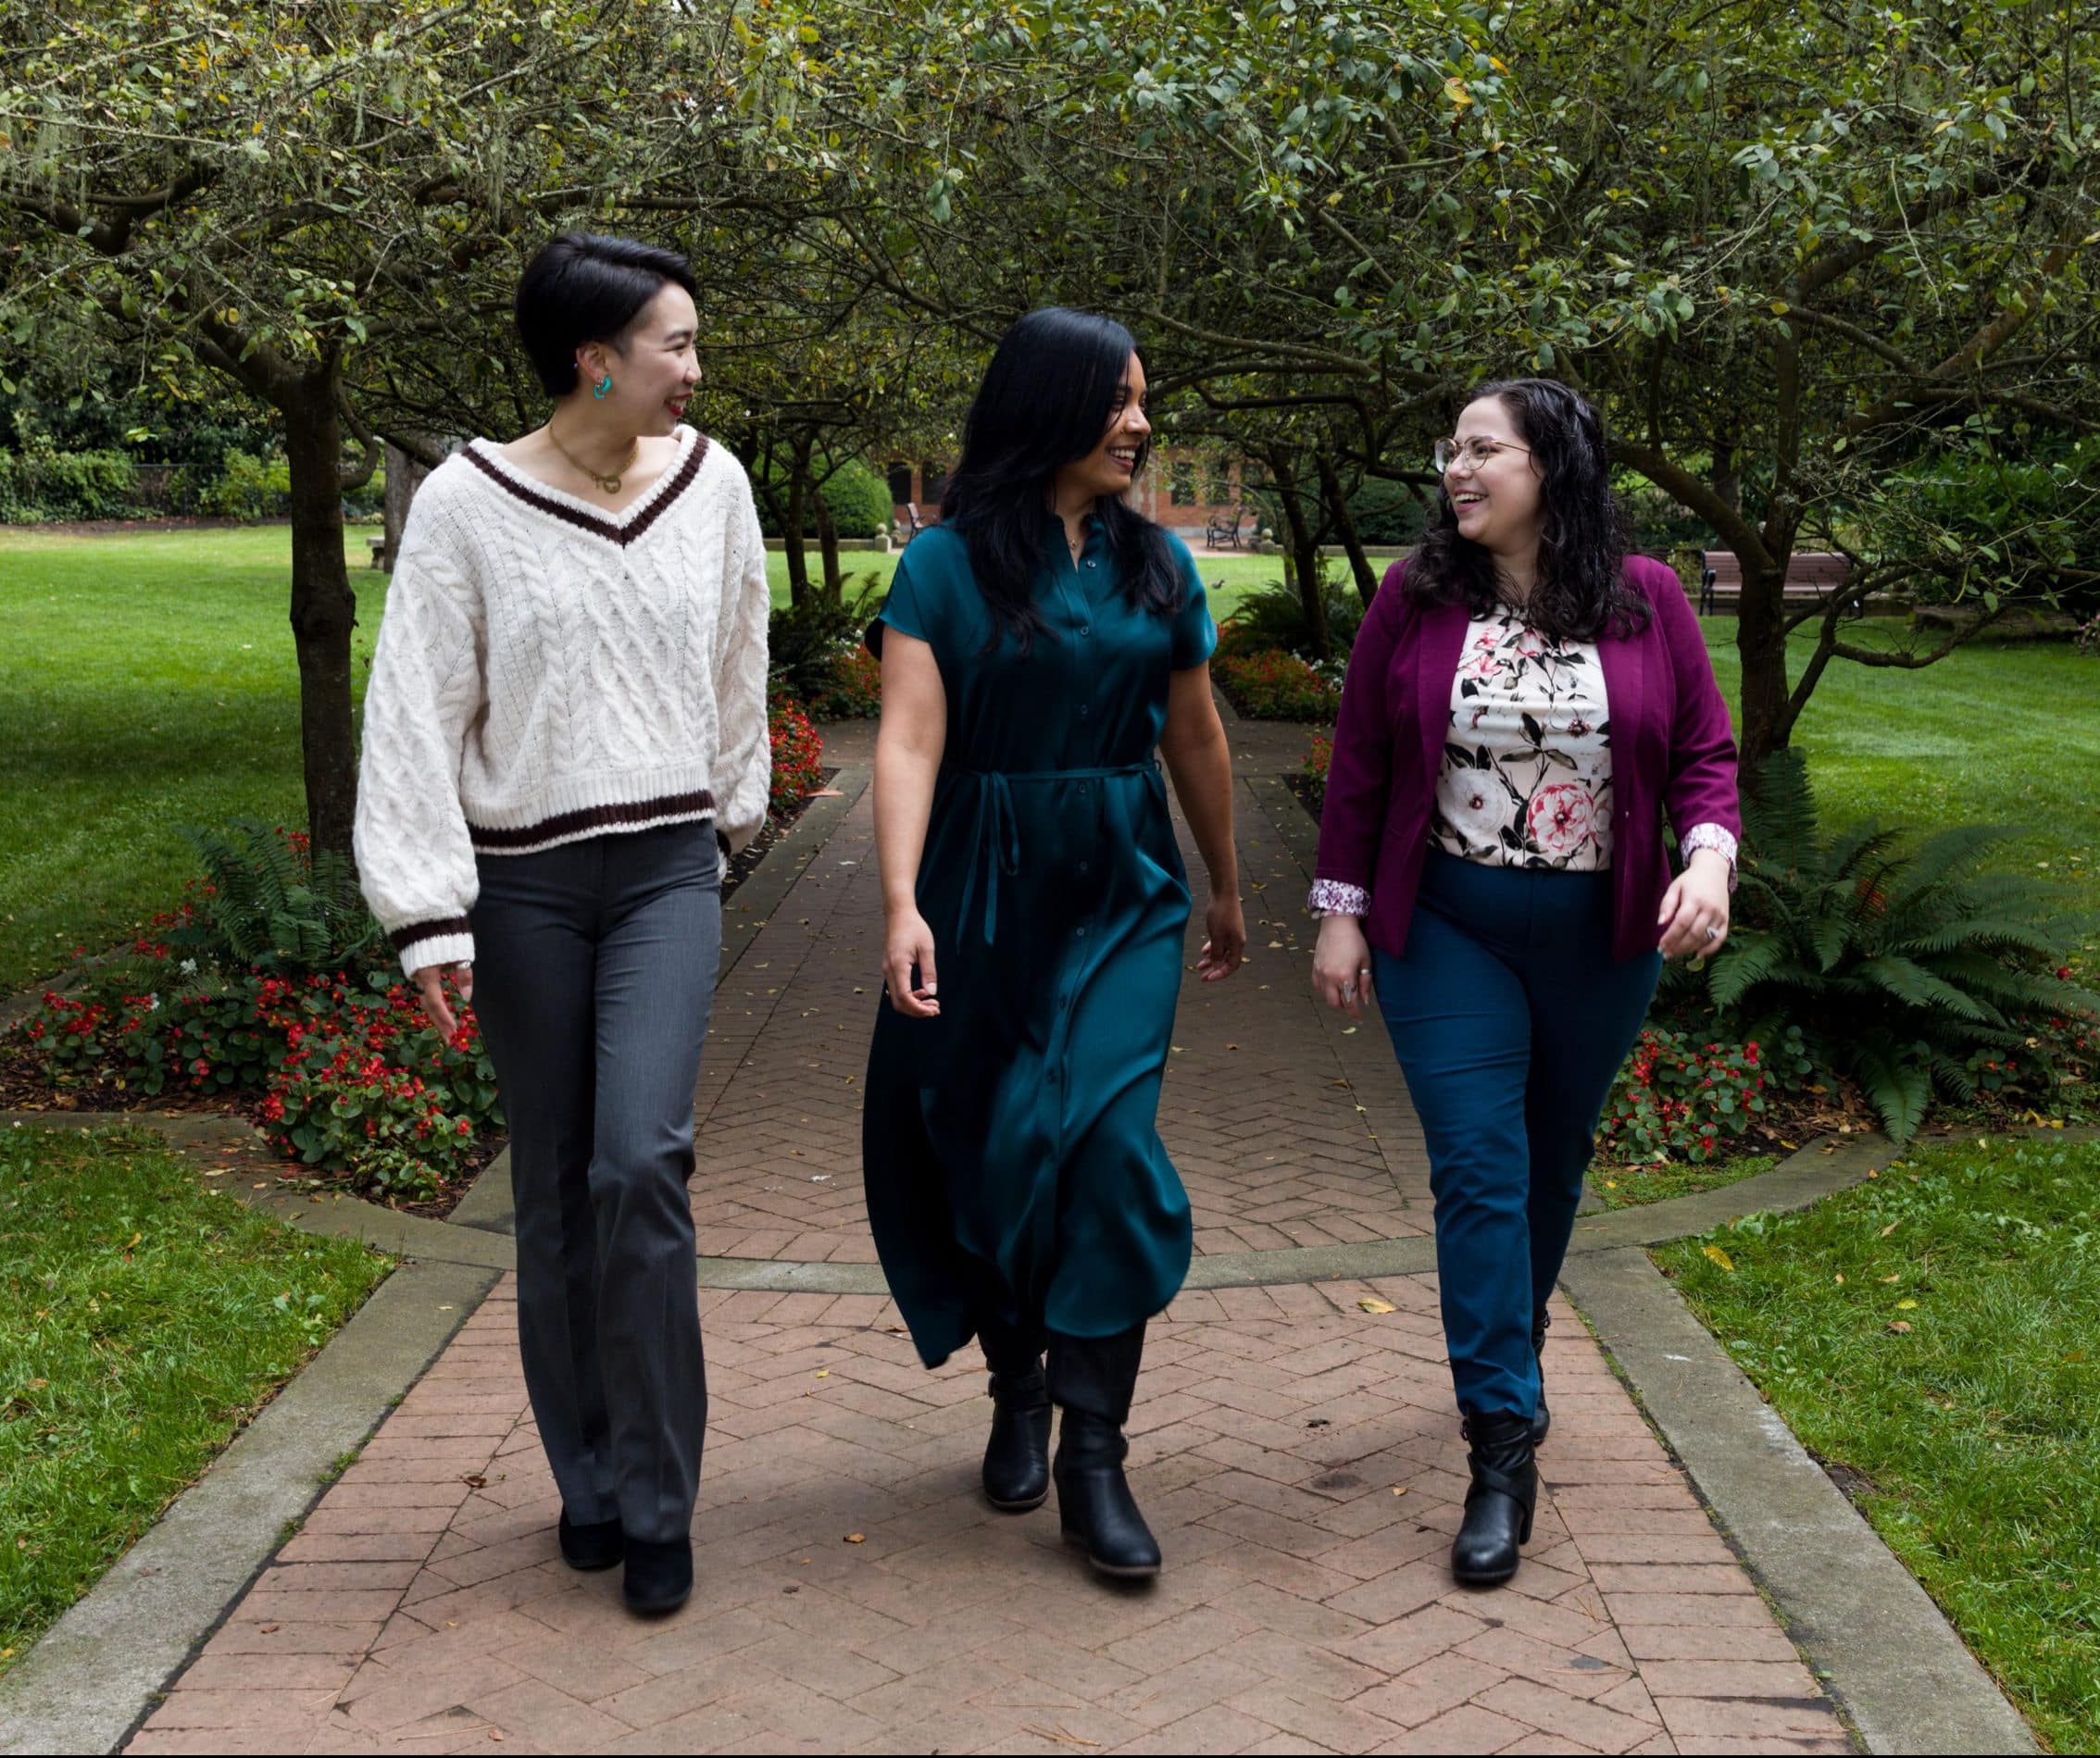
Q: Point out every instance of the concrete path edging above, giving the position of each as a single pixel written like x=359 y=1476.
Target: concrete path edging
x=99 y=1670
x=1879 y=1645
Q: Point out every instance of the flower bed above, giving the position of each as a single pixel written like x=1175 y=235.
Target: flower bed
x=798 y=755
x=342 y=1071
x=852 y=688
x=1273 y=685
x=1678 y=1100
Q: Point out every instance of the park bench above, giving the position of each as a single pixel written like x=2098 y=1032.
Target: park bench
x=1221 y=530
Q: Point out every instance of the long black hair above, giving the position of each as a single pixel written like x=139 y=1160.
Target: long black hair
x=1045 y=400
x=585 y=287
x=1582 y=588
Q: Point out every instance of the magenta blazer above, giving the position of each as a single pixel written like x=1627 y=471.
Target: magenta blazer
x=1671 y=748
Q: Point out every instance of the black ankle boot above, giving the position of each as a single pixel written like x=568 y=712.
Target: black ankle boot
x=1543 y=1420
x=659 y=1576
x=597 y=1545
x=1017 y=1458
x=1499 y=1504
x=1094 y=1505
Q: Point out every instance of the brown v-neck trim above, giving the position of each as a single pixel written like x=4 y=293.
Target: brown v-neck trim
x=658 y=498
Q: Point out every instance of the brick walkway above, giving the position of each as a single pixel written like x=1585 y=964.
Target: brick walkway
x=1296 y=1454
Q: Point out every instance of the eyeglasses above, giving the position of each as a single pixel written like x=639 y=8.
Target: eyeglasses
x=1471 y=453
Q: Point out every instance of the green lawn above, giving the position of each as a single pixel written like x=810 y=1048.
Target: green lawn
x=1629 y=1187
x=143 y=1318
x=1933 y=1331
x=148 y=682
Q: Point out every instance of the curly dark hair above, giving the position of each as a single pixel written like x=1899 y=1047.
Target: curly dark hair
x=1581 y=588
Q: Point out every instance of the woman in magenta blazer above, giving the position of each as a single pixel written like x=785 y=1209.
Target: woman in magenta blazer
x=1524 y=704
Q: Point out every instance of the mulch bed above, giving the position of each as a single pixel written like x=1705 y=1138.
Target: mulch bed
x=25 y=1086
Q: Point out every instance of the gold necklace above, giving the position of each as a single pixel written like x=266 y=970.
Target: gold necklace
x=608 y=485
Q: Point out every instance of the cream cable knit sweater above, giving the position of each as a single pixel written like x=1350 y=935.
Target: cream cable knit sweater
x=546 y=672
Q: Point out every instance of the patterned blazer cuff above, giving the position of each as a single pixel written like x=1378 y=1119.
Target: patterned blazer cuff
x=1332 y=897
x=1712 y=836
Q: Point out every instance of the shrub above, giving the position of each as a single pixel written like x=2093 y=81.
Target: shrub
x=1680 y=1100
x=1278 y=686
x=798 y=755
x=805 y=640
x=1387 y=513
x=39 y=484
x=271 y=902
x=248 y=488
x=1907 y=970
x=1273 y=617
x=851 y=689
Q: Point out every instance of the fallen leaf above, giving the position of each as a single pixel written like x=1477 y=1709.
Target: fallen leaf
x=823 y=1373
x=1839 y=1278
x=1719 y=1257
x=1372 y=1304
x=1896 y=1278
x=856 y=1537
x=1905 y=1305
x=475 y=1480
x=1901 y=1326
x=1399 y=1489
x=1890 y=1228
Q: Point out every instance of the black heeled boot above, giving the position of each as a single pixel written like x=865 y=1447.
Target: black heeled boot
x=1543 y=1420
x=1500 y=1502
x=1016 y=1457
x=1095 y=1508
x=1093 y=1380
x=597 y=1544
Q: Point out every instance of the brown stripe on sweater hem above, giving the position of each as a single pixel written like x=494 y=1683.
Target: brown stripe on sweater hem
x=596 y=524
x=593 y=818
x=403 y=938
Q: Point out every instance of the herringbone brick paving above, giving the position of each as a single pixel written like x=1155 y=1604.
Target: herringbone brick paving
x=1295 y=1452
x=1295 y=1448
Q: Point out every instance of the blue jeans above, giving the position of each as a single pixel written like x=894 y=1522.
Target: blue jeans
x=1511 y=1018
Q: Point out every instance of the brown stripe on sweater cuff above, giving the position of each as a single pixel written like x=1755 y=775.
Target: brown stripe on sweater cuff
x=403 y=938
x=593 y=818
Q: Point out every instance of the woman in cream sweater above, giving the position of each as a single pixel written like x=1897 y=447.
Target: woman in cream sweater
x=565 y=736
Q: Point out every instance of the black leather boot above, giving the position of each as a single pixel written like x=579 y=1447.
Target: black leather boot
x=1499 y=1503
x=659 y=1576
x=1093 y=1380
x=1095 y=1508
x=597 y=1545
x=1017 y=1458
x=1543 y=1420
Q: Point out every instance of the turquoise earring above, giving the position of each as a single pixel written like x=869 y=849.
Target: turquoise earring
x=605 y=384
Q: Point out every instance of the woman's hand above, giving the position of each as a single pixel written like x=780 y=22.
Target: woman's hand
x=1341 y=965
x=1693 y=922
x=907 y=941
x=429 y=978
x=1225 y=938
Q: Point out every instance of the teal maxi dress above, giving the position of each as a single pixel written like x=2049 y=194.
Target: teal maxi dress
x=1013 y=1166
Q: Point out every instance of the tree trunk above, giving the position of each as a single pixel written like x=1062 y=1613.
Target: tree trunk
x=1305 y=558
x=324 y=610
x=1345 y=527
x=404 y=476
x=791 y=524
x=1760 y=640
x=827 y=543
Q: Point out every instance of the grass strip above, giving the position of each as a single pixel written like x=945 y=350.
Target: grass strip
x=1929 y=1335
x=1633 y=1187
x=144 y=1317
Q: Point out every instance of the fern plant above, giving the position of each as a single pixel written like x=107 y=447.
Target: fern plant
x=272 y=904
x=1900 y=961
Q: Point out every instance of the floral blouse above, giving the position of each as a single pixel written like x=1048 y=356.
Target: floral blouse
x=1526 y=777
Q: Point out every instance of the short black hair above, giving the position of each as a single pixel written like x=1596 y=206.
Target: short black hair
x=584 y=287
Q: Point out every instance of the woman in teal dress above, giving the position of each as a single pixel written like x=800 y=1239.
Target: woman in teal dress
x=1042 y=649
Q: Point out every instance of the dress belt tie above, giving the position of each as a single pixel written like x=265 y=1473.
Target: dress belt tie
x=996 y=839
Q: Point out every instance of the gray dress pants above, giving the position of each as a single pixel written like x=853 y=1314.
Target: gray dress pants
x=595 y=967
